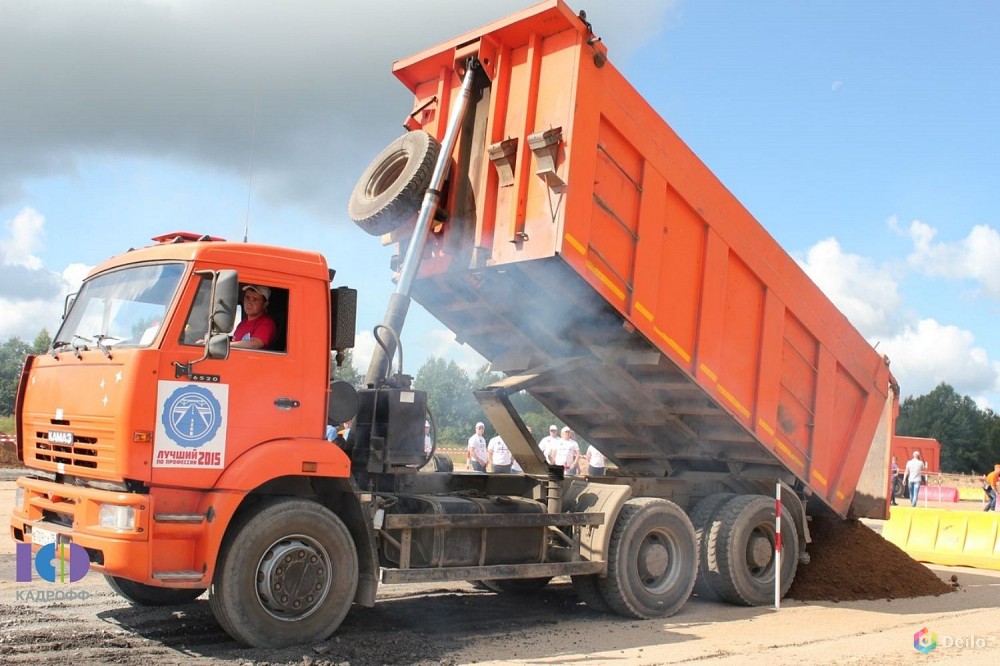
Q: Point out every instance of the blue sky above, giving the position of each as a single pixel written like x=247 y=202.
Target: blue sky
x=864 y=136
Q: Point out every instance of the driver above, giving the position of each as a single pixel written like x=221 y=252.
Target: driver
x=257 y=330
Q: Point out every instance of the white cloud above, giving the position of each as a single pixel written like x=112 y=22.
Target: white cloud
x=927 y=353
x=867 y=294
x=441 y=342
x=975 y=257
x=26 y=234
x=31 y=295
x=837 y=85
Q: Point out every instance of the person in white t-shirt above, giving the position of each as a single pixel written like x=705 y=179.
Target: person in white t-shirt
x=567 y=453
x=914 y=476
x=475 y=454
x=499 y=456
x=595 y=461
x=549 y=443
x=428 y=442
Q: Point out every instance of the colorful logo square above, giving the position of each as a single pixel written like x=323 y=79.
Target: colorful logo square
x=924 y=640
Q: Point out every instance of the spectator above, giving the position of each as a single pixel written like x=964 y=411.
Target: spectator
x=339 y=437
x=990 y=488
x=549 y=443
x=595 y=461
x=913 y=476
x=894 y=472
x=567 y=453
x=428 y=442
x=257 y=330
x=475 y=454
x=498 y=456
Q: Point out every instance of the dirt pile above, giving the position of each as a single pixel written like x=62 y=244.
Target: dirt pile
x=850 y=562
x=8 y=454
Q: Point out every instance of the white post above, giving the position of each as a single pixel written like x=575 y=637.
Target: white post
x=777 y=546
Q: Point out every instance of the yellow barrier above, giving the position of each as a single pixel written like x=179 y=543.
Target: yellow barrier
x=970 y=494
x=953 y=538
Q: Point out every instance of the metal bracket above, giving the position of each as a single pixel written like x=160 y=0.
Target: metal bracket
x=545 y=146
x=504 y=158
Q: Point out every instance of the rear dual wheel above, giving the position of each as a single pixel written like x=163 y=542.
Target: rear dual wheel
x=740 y=551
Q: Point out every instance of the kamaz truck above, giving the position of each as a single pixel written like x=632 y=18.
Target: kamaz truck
x=546 y=214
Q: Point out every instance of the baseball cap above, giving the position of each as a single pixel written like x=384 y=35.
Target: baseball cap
x=552 y=427
x=480 y=425
x=263 y=291
x=567 y=429
x=427 y=424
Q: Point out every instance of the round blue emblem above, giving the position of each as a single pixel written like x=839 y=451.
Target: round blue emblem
x=191 y=416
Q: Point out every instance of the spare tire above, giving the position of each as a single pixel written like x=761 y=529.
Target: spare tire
x=390 y=190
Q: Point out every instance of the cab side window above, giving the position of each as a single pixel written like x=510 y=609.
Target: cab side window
x=196 y=326
x=263 y=318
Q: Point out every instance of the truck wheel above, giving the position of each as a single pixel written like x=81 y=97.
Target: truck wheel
x=652 y=560
x=141 y=594
x=516 y=585
x=390 y=190
x=589 y=593
x=744 y=551
x=286 y=576
x=898 y=488
x=704 y=518
x=441 y=463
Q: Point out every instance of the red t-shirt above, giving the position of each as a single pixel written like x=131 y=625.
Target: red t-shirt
x=263 y=328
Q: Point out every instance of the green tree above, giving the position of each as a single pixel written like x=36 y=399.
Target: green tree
x=12 y=355
x=450 y=399
x=346 y=372
x=957 y=422
x=42 y=342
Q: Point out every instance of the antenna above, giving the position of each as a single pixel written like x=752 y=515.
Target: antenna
x=253 y=146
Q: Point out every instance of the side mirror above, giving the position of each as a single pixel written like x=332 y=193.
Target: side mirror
x=225 y=296
x=217 y=346
x=68 y=303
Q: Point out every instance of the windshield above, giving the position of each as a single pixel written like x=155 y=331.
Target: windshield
x=123 y=308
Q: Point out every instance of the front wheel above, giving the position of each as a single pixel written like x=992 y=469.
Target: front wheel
x=287 y=575
x=140 y=594
x=652 y=560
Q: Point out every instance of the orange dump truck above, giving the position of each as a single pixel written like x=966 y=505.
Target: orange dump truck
x=548 y=216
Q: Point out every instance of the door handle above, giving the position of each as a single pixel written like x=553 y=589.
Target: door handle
x=286 y=403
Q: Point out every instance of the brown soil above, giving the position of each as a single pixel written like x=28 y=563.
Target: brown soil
x=850 y=562
x=8 y=454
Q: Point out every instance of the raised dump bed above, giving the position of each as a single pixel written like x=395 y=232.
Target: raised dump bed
x=590 y=254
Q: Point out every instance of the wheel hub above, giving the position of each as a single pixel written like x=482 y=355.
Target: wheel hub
x=293 y=577
x=654 y=560
x=760 y=551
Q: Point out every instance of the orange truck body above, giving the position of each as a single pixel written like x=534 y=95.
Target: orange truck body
x=113 y=404
x=583 y=229
x=930 y=451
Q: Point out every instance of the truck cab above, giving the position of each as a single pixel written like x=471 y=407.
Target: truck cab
x=143 y=423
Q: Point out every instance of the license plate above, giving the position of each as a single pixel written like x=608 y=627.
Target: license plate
x=42 y=537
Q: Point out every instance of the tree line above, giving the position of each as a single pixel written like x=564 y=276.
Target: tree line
x=969 y=436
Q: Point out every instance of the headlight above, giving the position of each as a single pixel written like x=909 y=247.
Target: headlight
x=117 y=517
x=19 y=498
